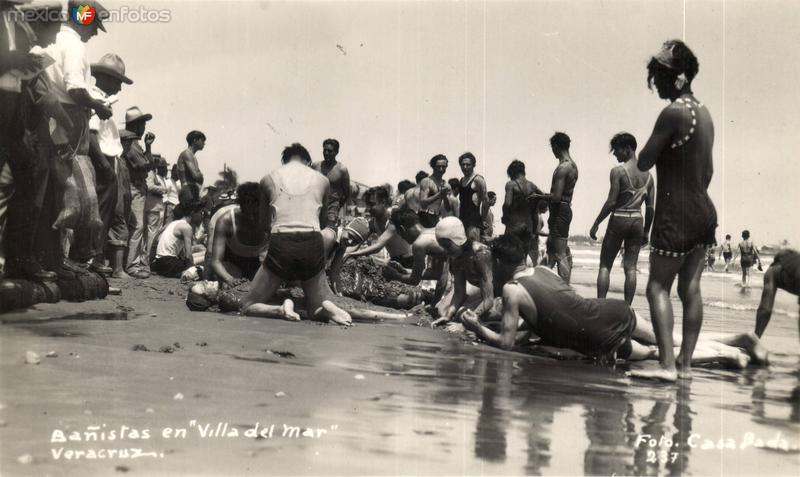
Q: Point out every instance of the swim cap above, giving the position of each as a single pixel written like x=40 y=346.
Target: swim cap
x=359 y=227
x=452 y=229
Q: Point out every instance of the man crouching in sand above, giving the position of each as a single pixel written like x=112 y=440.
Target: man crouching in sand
x=597 y=327
x=295 y=196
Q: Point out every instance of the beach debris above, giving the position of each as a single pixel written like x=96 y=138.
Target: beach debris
x=341 y=48
x=201 y=344
x=177 y=345
x=153 y=315
x=25 y=459
x=51 y=354
x=359 y=377
x=166 y=349
x=32 y=358
x=122 y=468
x=178 y=397
x=280 y=394
x=282 y=354
x=138 y=347
x=114 y=291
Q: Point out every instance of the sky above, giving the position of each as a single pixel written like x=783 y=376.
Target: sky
x=399 y=82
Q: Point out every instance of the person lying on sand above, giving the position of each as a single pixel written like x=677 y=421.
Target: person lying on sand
x=295 y=195
x=599 y=328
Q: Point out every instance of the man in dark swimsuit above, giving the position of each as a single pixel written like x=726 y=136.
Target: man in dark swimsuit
x=560 y=201
x=597 y=327
x=726 y=252
x=784 y=274
x=520 y=216
x=630 y=188
x=473 y=198
x=685 y=220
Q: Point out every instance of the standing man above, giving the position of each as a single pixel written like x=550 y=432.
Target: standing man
x=488 y=225
x=472 y=197
x=338 y=176
x=560 y=201
x=188 y=168
x=70 y=81
x=433 y=190
x=23 y=172
x=685 y=219
x=411 y=198
x=171 y=197
x=630 y=188
x=726 y=251
x=521 y=216
x=105 y=149
x=295 y=195
x=154 y=203
x=139 y=163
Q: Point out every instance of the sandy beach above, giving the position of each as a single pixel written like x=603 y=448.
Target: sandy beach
x=388 y=398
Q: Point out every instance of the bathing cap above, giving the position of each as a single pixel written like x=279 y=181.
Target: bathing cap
x=452 y=229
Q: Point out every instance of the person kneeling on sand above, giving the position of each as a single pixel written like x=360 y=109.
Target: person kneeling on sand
x=174 y=249
x=598 y=327
x=296 y=195
x=469 y=260
x=238 y=238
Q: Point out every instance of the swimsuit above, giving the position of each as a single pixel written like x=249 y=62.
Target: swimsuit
x=748 y=256
x=594 y=327
x=428 y=218
x=469 y=213
x=685 y=216
x=626 y=224
x=296 y=248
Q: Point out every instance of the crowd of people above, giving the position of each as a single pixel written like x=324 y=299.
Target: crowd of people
x=77 y=193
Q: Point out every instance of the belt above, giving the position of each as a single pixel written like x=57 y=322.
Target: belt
x=627 y=213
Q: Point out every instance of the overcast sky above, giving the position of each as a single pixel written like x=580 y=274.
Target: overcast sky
x=398 y=82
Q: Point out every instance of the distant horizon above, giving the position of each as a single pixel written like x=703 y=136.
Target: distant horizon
x=397 y=85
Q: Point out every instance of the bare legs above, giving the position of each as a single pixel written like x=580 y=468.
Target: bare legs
x=264 y=286
x=557 y=254
x=663 y=271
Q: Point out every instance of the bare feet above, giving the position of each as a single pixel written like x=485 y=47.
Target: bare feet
x=287 y=309
x=120 y=274
x=438 y=322
x=757 y=351
x=336 y=314
x=455 y=328
x=655 y=373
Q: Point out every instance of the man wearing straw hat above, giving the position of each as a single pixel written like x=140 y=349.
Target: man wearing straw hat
x=139 y=163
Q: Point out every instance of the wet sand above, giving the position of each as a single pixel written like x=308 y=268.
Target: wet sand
x=385 y=399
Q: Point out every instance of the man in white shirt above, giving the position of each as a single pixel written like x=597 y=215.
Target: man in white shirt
x=154 y=203
x=70 y=82
x=105 y=148
x=171 y=198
